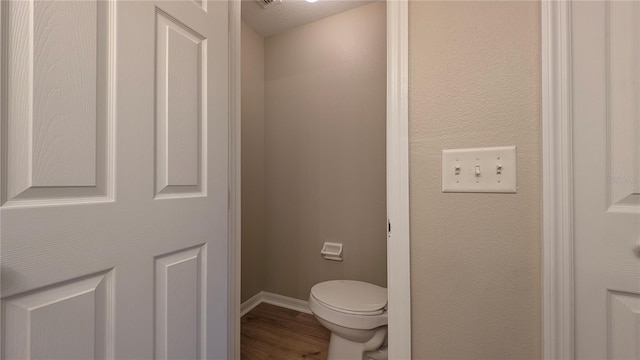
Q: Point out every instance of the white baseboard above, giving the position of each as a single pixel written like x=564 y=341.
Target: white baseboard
x=286 y=302
x=251 y=303
x=274 y=299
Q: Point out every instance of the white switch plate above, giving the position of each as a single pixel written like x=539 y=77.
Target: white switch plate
x=487 y=160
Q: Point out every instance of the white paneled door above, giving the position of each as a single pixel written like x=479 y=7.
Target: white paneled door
x=606 y=121
x=114 y=178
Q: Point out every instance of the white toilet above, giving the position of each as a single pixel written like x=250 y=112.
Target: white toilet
x=356 y=314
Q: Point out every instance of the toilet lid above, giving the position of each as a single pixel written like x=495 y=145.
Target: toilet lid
x=351 y=296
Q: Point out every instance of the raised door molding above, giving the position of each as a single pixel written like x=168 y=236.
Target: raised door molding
x=181 y=113
x=83 y=308
x=57 y=114
x=622 y=89
x=624 y=332
x=180 y=304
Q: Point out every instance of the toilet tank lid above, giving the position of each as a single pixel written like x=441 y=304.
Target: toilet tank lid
x=351 y=295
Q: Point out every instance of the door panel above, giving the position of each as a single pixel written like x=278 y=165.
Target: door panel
x=180 y=304
x=624 y=325
x=623 y=77
x=181 y=108
x=34 y=321
x=114 y=168
x=606 y=154
x=57 y=99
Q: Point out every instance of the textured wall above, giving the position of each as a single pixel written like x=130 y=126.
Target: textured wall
x=253 y=264
x=475 y=258
x=325 y=150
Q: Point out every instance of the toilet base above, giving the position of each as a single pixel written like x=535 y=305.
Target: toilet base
x=381 y=354
x=343 y=349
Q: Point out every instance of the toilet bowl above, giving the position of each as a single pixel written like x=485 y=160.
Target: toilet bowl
x=356 y=314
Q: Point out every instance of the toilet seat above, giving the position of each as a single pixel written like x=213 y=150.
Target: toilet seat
x=350 y=312
x=352 y=304
x=351 y=297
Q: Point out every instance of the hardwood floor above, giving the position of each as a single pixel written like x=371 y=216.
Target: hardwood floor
x=272 y=332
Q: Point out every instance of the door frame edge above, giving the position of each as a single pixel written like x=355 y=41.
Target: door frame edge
x=557 y=182
x=398 y=226
x=234 y=242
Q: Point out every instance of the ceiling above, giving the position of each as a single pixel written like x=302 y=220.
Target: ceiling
x=291 y=13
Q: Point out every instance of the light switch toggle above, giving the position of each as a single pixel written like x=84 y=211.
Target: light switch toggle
x=499 y=169
x=457 y=168
x=477 y=170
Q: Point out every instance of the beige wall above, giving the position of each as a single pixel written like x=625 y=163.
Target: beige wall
x=325 y=151
x=253 y=246
x=475 y=258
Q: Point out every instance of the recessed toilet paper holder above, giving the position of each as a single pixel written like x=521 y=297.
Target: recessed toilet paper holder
x=332 y=251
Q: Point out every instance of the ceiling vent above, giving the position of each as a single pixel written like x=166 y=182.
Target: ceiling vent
x=269 y=3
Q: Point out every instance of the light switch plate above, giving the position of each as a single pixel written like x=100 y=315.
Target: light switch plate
x=491 y=170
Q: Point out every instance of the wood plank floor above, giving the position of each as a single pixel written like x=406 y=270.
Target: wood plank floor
x=272 y=332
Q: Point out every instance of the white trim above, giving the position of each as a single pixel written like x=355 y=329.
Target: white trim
x=557 y=279
x=234 y=231
x=274 y=299
x=398 y=242
x=251 y=303
x=286 y=302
